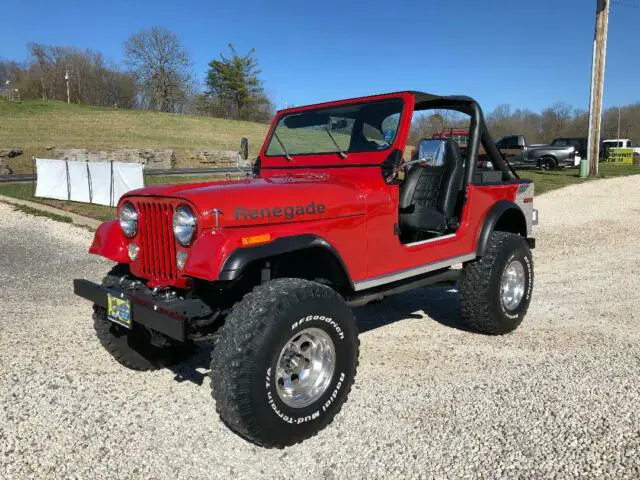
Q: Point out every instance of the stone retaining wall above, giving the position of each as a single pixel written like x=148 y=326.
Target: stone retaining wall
x=7 y=153
x=151 y=158
x=148 y=157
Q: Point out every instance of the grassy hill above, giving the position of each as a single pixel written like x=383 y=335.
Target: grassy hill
x=35 y=125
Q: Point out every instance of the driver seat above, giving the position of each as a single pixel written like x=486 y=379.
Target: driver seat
x=429 y=194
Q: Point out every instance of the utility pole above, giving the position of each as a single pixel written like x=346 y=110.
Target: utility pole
x=618 y=137
x=597 y=83
x=66 y=77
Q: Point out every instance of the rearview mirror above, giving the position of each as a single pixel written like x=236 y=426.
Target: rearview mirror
x=339 y=124
x=302 y=120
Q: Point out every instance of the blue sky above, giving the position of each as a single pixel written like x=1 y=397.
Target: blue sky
x=525 y=53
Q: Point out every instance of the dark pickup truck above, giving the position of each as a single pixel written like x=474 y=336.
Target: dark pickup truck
x=515 y=149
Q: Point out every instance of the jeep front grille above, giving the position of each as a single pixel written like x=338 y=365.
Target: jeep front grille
x=157 y=256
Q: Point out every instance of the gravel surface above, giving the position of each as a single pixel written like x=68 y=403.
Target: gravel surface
x=556 y=399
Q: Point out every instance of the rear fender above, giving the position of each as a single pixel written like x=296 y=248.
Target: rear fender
x=109 y=242
x=508 y=217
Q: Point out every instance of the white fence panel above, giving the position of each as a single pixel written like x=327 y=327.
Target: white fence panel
x=102 y=183
x=126 y=177
x=52 y=179
x=100 y=174
x=79 y=182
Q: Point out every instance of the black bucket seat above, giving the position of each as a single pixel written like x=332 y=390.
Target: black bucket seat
x=429 y=193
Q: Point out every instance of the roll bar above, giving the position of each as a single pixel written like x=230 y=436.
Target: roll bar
x=478 y=132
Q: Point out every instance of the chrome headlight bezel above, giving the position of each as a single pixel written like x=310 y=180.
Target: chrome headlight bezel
x=128 y=218
x=184 y=225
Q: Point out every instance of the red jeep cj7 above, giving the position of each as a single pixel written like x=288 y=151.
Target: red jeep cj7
x=266 y=268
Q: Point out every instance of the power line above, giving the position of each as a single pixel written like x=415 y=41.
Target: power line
x=625 y=4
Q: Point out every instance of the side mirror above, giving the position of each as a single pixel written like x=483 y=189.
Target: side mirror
x=431 y=152
x=244 y=148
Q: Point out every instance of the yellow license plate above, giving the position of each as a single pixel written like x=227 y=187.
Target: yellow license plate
x=119 y=310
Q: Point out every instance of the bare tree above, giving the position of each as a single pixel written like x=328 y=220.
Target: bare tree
x=555 y=119
x=42 y=62
x=92 y=80
x=162 y=67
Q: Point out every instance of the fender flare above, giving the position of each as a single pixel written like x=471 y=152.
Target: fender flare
x=491 y=219
x=241 y=257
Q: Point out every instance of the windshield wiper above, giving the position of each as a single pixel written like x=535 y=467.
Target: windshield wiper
x=340 y=151
x=286 y=154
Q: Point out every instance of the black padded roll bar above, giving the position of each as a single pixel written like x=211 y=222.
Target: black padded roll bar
x=478 y=133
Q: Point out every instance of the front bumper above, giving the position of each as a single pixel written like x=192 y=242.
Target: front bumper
x=169 y=317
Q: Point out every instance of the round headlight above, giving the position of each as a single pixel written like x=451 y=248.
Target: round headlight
x=128 y=220
x=184 y=225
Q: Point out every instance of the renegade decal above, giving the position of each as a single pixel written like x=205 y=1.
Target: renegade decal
x=287 y=212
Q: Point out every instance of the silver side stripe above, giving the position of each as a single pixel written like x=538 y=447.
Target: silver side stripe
x=431 y=240
x=401 y=275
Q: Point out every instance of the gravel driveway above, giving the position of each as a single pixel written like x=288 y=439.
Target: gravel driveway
x=558 y=398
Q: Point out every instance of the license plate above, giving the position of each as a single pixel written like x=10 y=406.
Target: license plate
x=119 y=310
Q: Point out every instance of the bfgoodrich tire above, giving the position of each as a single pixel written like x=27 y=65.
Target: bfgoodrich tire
x=133 y=348
x=285 y=362
x=495 y=289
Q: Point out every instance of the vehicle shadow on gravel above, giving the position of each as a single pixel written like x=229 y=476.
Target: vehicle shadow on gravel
x=196 y=368
x=438 y=303
x=441 y=304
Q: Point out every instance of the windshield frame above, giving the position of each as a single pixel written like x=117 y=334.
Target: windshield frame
x=294 y=155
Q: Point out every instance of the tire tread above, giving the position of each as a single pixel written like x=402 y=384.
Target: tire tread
x=475 y=287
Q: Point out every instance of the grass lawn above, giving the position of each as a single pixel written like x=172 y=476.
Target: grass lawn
x=41 y=213
x=550 y=180
x=33 y=125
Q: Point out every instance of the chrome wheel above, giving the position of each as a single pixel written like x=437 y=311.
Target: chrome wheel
x=305 y=367
x=512 y=285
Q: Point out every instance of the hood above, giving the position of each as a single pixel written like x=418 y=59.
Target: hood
x=258 y=201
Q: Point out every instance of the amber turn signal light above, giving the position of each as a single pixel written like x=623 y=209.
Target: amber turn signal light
x=256 y=239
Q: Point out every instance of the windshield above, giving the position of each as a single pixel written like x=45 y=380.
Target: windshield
x=362 y=127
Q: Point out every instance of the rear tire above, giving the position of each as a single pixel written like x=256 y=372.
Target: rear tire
x=133 y=347
x=269 y=384
x=495 y=289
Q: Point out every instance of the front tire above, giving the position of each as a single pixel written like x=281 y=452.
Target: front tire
x=495 y=289
x=133 y=348
x=285 y=362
